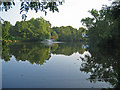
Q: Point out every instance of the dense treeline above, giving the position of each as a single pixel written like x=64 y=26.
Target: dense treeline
x=103 y=28
x=39 y=29
x=6 y=26
x=68 y=33
x=33 y=29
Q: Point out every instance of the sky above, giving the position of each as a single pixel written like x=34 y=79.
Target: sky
x=70 y=13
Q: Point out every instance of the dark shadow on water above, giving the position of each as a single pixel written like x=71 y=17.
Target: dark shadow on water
x=103 y=65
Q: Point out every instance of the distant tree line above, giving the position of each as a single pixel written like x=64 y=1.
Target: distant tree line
x=68 y=33
x=38 y=29
x=34 y=29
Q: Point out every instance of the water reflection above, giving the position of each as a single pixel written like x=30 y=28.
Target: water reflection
x=101 y=64
x=38 y=53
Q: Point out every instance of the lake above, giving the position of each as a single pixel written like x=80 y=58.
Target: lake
x=63 y=65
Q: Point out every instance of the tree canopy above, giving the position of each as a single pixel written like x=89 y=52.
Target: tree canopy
x=42 y=6
x=103 y=27
x=39 y=29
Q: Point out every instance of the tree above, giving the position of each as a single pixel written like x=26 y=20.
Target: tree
x=5 y=30
x=103 y=28
x=33 y=29
x=42 y=6
x=69 y=33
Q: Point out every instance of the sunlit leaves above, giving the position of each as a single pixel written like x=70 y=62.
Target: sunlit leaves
x=69 y=33
x=5 y=30
x=34 y=29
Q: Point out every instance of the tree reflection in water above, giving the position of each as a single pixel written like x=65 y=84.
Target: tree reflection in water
x=38 y=53
x=103 y=65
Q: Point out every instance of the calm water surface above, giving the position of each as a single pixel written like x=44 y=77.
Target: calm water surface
x=64 y=65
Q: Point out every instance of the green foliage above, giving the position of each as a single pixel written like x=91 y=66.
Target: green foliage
x=34 y=29
x=103 y=28
x=103 y=32
x=5 y=30
x=39 y=29
x=68 y=33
